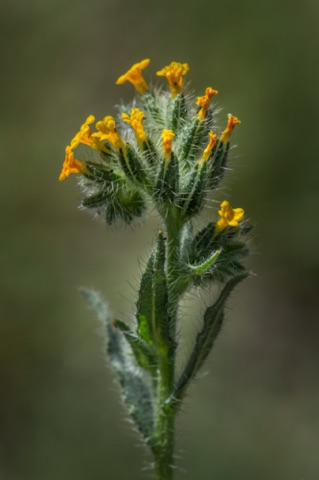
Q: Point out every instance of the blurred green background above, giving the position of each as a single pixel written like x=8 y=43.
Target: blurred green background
x=255 y=414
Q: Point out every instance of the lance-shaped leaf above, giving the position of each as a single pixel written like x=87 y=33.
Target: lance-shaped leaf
x=144 y=353
x=136 y=394
x=213 y=319
x=138 y=400
x=152 y=305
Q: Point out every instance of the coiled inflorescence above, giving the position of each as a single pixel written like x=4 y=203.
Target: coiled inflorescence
x=163 y=151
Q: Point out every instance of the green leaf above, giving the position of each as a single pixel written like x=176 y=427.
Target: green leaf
x=152 y=305
x=201 y=269
x=144 y=352
x=138 y=400
x=144 y=328
x=144 y=305
x=213 y=320
x=136 y=394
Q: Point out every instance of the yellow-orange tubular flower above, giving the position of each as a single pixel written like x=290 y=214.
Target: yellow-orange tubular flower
x=167 y=137
x=232 y=121
x=107 y=131
x=135 y=120
x=208 y=150
x=86 y=136
x=174 y=74
x=135 y=77
x=228 y=216
x=204 y=102
x=70 y=165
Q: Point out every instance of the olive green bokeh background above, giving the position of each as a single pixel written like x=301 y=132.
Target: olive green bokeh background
x=255 y=414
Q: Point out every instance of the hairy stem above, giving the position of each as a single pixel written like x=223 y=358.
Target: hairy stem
x=165 y=412
x=164 y=423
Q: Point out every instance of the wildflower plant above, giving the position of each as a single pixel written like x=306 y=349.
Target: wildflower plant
x=165 y=154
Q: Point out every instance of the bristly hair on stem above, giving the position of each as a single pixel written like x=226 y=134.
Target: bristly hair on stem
x=165 y=155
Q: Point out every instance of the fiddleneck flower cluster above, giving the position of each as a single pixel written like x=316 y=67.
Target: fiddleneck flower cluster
x=167 y=129
x=163 y=152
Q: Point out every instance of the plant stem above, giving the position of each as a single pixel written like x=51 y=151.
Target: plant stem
x=165 y=410
x=173 y=243
x=165 y=419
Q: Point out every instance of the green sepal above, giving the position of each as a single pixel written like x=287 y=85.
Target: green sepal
x=150 y=153
x=213 y=320
x=150 y=105
x=136 y=394
x=214 y=150
x=193 y=197
x=202 y=244
x=152 y=305
x=229 y=261
x=245 y=228
x=218 y=168
x=125 y=204
x=136 y=167
x=108 y=153
x=209 y=119
x=179 y=112
x=104 y=184
x=144 y=353
x=117 y=200
x=100 y=174
x=167 y=182
x=192 y=139
x=97 y=200
x=188 y=135
x=123 y=160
